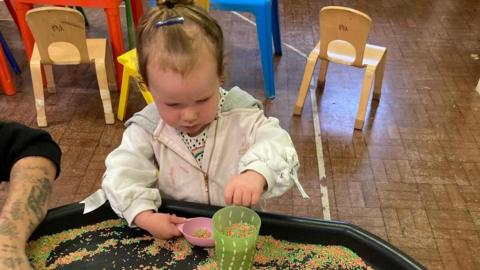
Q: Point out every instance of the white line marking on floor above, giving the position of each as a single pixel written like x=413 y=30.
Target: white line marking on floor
x=319 y=148
x=244 y=18
x=316 y=128
x=478 y=86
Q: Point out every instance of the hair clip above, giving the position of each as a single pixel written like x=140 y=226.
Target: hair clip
x=167 y=3
x=170 y=21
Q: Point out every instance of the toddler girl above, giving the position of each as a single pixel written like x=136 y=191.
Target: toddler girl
x=197 y=142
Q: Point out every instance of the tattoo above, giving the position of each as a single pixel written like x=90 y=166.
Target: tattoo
x=8 y=248
x=8 y=228
x=16 y=211
x=38 y=197
x=42 y=169
x=11 y=262
x=31 y=226
x=9 y=256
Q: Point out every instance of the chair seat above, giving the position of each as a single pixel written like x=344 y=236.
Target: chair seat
x=62 y=53
x=343 y=53
x=129 y=60
x=373 y=54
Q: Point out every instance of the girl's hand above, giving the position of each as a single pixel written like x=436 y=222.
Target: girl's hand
x=245 y=189
x=159 y=225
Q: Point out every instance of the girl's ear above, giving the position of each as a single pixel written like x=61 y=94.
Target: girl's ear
x=221 y=77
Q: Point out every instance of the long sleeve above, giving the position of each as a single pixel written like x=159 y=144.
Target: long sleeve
x=272 y=155
x=18 y=141
x=131 y=175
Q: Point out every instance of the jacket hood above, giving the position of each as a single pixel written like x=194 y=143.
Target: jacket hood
x=148 y=117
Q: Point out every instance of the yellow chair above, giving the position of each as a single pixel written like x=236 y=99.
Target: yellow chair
x=60 y=39
x=204 y=4
x=130 y=69
x=343 y=40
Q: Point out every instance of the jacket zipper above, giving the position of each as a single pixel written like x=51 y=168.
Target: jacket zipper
x=205 y=174
x=205 y=181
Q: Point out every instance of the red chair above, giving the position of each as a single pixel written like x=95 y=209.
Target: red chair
x=5 y=76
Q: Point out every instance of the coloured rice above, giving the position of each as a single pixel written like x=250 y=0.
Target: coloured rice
x=112 y=245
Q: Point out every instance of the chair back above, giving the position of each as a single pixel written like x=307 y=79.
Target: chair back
x=343 y=35
x=59 y=30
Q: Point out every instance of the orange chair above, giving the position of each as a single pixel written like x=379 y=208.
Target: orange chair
x=343 y=40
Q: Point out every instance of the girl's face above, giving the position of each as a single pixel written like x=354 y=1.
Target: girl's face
x=188 y=103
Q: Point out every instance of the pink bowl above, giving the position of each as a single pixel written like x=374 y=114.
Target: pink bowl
x=189 y=228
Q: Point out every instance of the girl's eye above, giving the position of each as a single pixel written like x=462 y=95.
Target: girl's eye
x=173 y=105
x=203 y=100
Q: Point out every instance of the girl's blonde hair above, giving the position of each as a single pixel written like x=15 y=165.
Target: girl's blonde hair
x=177 y=47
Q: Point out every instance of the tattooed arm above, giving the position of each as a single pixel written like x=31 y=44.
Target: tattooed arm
x=26 y=206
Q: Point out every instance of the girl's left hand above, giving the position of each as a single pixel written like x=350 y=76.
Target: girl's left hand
x=245 y=189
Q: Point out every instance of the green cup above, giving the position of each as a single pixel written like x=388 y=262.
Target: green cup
x=235 y=252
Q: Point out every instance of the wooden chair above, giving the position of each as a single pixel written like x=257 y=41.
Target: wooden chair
x=343 y=40
x=60 y=39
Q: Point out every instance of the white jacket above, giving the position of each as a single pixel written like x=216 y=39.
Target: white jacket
x=147 y=167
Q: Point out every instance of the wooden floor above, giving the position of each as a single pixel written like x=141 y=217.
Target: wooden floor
x=412 y=176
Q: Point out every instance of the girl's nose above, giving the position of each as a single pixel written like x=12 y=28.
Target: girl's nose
x=189 y=115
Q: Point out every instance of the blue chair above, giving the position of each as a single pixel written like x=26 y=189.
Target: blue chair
x=268 y=26
x=9 y=55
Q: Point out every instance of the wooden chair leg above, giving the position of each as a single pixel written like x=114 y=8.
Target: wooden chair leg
x=307 y=77
x=323 y=73
x=379 y=77
x=48 y=69
x=37 y=83
x=124 y=91
x=366 y=89
x=101 y=71
x=112 y=83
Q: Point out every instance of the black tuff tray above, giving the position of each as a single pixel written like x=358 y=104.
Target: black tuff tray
x=376 y=252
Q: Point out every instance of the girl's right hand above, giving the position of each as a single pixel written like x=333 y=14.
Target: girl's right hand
x=161 y=226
